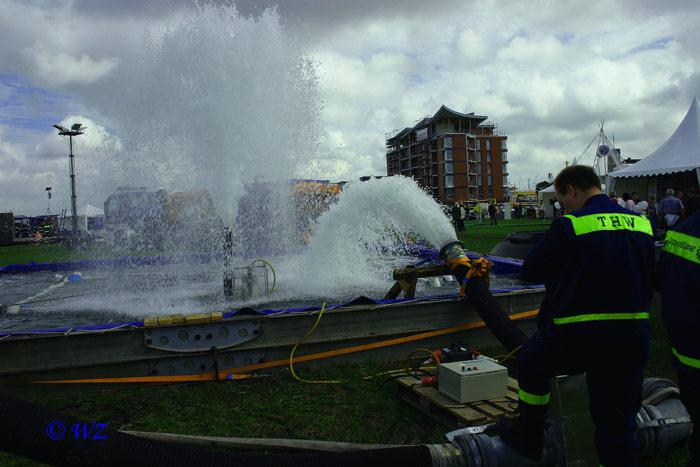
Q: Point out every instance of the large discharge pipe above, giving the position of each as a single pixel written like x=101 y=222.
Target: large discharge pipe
x=46 y=436
x=505 y=330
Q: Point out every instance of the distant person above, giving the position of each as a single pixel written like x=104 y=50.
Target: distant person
x=456 y=213
x=557 y=209
x=631 y=202
x=492 y=213
x=477 y=211
x=692 y=204
x=671 y=209
x=462 y=216
x=677 y=277
x=541 y=210
x=653 y=214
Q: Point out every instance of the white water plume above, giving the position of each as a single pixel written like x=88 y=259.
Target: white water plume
x=356 y=244
x=214 y=101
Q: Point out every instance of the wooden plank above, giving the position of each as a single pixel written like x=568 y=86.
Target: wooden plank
x=513 y=384
x=468 y=415
x=429 y=401
x=487 y=409
x=512 y=395
x=505 y=405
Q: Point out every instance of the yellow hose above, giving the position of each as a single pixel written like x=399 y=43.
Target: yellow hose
x=510 y=354
x=291 y=355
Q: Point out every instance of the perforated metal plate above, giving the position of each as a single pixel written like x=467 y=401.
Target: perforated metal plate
x=190 y=365
x=201 y=337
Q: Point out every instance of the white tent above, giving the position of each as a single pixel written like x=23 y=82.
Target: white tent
x=680 y=153
x=545 y=195
x=90 y=218
x=90 y=211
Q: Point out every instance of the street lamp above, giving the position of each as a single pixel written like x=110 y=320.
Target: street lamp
x=48 y=194
x=75 y=130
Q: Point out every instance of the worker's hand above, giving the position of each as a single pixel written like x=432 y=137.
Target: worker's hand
x=480 y=268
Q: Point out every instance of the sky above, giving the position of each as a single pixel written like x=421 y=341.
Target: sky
x=545 y=71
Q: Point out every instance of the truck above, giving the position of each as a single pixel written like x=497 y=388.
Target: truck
x=140 y=220
x=278 y=218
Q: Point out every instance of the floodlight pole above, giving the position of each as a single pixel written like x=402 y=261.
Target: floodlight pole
x=48 y=201
x=75 y=130
x=73 y=196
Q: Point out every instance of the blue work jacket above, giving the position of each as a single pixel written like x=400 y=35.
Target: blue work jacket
x=597 y=266
x=678 y=279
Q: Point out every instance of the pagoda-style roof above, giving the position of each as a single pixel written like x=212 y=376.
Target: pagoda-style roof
x=443 y=112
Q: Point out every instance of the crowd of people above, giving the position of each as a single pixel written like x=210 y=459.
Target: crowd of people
x=666 y=213
x=461 y=212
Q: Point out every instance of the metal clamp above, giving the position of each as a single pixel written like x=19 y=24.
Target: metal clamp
x=470 y=430
x=663 y=422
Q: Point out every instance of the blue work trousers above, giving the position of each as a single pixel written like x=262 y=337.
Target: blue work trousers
x=614 y=367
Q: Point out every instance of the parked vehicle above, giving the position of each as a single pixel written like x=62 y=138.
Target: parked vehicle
x=140 y=220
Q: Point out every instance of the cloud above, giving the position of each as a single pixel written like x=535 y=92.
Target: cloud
x=471 y=46
x=546 y=70
x=60 y=69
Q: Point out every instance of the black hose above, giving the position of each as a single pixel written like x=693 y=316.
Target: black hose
x=505 y=330
x=479 y=295
x=23 y=431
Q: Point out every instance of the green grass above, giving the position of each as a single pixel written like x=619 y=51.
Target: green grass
x=482 y=237
x=279 y=406
x=47 y=253
x=55 y=252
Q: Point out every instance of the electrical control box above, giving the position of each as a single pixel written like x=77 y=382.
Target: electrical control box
x=473 y=380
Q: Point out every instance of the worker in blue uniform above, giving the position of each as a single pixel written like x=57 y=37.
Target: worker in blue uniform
x=677 y=277
x=597 y=266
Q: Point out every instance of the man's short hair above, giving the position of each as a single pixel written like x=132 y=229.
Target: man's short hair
x=670 y=192
x=582 y=177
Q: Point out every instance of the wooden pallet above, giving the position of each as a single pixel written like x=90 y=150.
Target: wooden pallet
x=453 y=414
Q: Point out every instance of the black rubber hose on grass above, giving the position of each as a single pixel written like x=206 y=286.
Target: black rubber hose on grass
x=24 y=431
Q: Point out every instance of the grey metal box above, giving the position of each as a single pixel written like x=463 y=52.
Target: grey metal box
x=472 y=380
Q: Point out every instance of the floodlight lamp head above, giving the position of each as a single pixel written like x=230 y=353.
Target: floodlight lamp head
x=75 y=130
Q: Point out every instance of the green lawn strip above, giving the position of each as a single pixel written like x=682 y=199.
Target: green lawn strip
x=55 y=253
x=481 y=238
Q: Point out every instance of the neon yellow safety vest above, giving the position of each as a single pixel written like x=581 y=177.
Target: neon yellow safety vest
x=609 y=221
x=686 y=247
x=600 y=222
x=683 y=245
